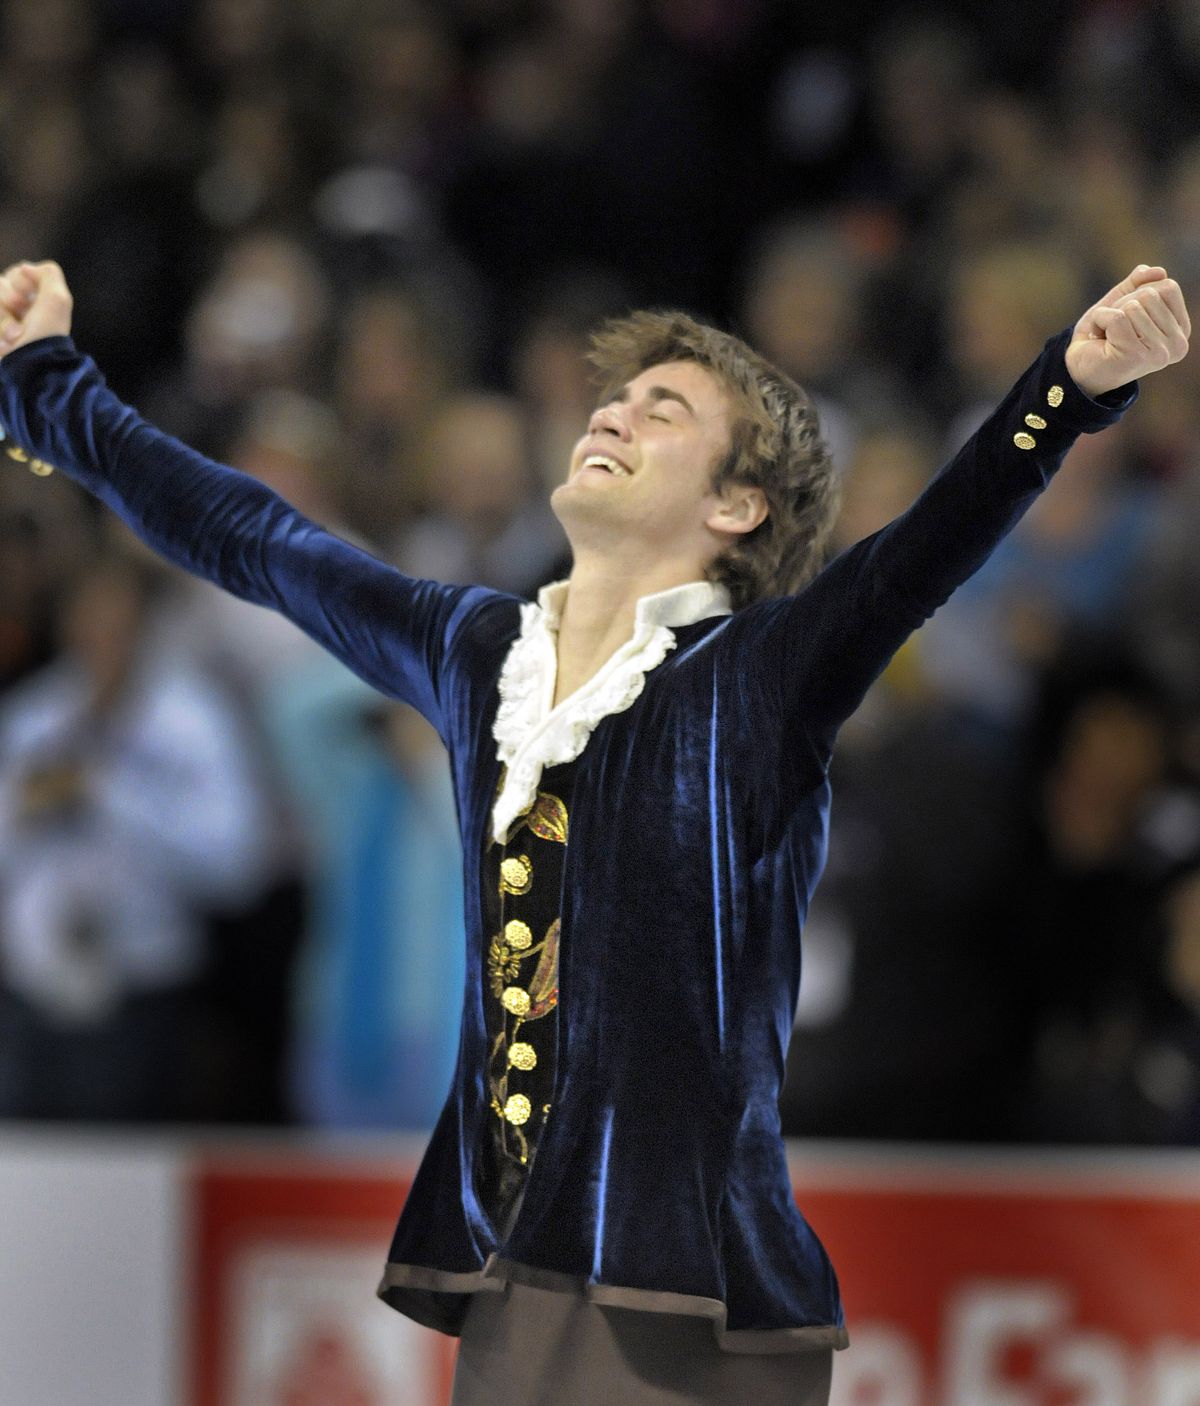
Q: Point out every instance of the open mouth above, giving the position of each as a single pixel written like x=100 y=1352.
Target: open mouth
x=602 y=461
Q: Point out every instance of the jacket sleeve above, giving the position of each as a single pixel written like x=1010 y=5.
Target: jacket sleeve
x=812 y=656
x=392 y=630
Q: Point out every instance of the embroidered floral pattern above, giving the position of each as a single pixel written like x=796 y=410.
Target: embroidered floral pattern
x=518 y=935
x=547 y=818
x=523 y=975
x=543 y=989
x=516 y=875
x=531 y=735
x=503 y=967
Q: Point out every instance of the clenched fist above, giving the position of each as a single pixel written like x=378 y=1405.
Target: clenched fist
x=1140 y=326
x=35 y=302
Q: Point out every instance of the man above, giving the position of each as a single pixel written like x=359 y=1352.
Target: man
x=641 y=773
x=128 y=806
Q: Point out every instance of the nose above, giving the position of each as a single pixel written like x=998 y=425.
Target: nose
x=609 y=419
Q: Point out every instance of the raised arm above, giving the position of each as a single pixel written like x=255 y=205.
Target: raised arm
x=816 y=653
x=55 y=408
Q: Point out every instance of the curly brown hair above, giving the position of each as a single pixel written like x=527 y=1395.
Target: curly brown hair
x=776 y=445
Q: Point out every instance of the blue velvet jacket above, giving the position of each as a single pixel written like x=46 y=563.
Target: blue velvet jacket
x=698 y=832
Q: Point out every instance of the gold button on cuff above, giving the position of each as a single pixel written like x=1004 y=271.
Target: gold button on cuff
x=517 y=1109
x=518 y=935
x=14 y=451
x=41 y=468
x=1035 y=422
x=1055 y=396
x=522 y=1056
x=516 y=875
x=1024 y=441
x=515 y=999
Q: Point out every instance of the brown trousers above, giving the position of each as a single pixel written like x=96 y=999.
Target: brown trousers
x=536 y=1347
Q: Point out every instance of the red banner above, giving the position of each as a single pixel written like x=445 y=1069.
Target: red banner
x=1003 y=1282
x=287 y=1255
x=968 y=1281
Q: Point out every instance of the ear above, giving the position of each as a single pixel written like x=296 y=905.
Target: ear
x=740 y=508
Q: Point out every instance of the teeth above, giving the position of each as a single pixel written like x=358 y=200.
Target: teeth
x=601 y=461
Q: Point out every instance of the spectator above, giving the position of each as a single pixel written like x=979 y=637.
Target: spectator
x=1168 y=1062
x=125 y=811
x=1069 y=564
x=804 y=310
x=549 y=369
x=134 y=247
x=1086 y=877
x=483 y=524
x=1003 y=300
x=293 y=444
x=258 y=324
x=45 y=529
x=379 y=986
x=331 y=243
x=392 y=368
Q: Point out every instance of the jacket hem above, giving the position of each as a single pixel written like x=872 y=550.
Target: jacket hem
x=437 y=1298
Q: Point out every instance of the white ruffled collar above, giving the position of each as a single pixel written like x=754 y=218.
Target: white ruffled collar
x=530 y=732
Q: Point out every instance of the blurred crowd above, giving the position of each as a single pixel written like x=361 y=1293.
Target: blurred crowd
x=355 y=249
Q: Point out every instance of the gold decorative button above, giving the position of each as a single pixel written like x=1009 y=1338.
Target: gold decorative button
x=1055 y=396
x=41 y=468
x=516 y=875
x=517 y=1109
x=515 y=1000
x=522 y=1056
x=518 y=935
x=14 y=451
x=1035 y=422
x=1024 y=441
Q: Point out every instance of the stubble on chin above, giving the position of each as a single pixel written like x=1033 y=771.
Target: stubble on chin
x=588 y=518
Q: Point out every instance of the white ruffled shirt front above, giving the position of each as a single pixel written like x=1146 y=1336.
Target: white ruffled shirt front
x=530 y=732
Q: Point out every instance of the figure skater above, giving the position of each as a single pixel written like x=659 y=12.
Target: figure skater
x=641 y=757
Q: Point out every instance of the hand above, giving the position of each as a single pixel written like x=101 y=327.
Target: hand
x=1138 y=327
x=35 y=302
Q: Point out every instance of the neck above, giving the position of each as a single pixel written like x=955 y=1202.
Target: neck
x=600 y=609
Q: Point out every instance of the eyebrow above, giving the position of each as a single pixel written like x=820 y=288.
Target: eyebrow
x=657 y=393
